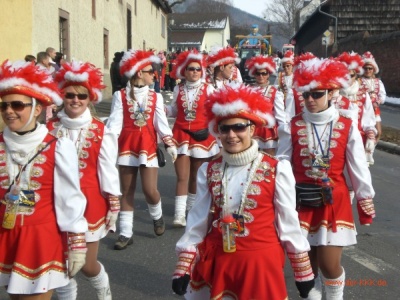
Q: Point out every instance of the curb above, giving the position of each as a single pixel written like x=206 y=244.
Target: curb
x=388 y=147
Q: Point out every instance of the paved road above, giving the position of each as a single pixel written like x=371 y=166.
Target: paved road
x=143 y=271
x=390 y=116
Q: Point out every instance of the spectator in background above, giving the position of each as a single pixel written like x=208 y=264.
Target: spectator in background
x=157 y=67
x=59 y=60
x=163 y=65
x=118 y=81
x=30 y=57
x=43 y=60
x=52 y=53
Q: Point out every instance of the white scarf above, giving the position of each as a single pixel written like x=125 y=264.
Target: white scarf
x=351 y=91
x=323 y=117
x=22 y=147
x=242 y=158
x=77 y=123
x=193 y=85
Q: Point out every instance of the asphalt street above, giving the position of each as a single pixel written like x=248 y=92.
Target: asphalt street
x=143 y=271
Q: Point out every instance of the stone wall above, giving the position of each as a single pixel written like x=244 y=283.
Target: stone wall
x=386 y=50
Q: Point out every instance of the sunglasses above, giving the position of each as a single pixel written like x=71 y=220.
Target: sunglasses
x=314 y=95
x=262 y=73
x=353 y=75
x=192 y=69
x=15 y=105
x=287 y=66
x=368 y=68
x=73 y=95
x=151 y=71
x=236 y=128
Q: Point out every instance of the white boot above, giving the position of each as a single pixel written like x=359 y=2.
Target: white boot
x=180 y=211
x=190 y=201
x=68 y=292
x=101 y=284
x=316 y=291
x=334 y=287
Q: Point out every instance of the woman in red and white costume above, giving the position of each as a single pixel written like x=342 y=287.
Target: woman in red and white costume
x=320 y=143
x=374 y=87
x=258 y=191
x=188 y=108
x=360 y=102
x=261 y=67
x=284 y=81
x=50 y=213
x=81 y=85
x=223 y=61
x=138 y=117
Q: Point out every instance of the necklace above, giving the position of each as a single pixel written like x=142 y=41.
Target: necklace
x=140 y=112
x=190 y=106
x=321 y=160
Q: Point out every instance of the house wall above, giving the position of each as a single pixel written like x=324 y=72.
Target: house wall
x=16 y=29
x=37 y=27
x=216 y=37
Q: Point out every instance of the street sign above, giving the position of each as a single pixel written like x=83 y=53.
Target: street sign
x=327 y=33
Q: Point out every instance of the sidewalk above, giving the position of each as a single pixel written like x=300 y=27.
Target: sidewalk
x=103 y=110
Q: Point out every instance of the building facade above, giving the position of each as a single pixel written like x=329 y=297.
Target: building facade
x=89 y=30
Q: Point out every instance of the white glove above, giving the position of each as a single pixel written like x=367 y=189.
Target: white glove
x=111 y=219
x=369 y=150
x=173 y=152
x=76 y=260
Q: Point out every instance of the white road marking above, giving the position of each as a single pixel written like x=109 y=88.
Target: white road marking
x=375 y=264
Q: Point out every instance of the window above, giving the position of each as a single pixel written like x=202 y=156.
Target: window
x=63 y=24
x=135 y=7
x=94 y=9
x=162 y=25
x=105 y=48
x=129 y=27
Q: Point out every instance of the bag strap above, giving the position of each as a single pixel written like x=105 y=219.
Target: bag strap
x=29 y=161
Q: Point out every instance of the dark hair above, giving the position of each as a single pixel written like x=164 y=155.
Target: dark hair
x=41 y=56
x=58 y=58
x=30 y=57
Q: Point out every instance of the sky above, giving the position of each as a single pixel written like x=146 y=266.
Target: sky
x=255 y=7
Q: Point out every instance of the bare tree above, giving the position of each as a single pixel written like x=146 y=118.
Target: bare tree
x=284 y=12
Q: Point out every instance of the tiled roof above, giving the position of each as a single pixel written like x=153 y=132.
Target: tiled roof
x=187 y=38
x=197 y=21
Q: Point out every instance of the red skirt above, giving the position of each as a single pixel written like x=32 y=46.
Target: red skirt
x=137 y=142
x=33 y=250
x=248 y=274
x=95 y=212
x=181 y=138
x=339 y=214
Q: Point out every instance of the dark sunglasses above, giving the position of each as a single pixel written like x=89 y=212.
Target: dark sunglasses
x=262 y=73
x=368 y=68
x=236 y=128
x=73 y=95
x=314 y=95
x=287 y=66
x=192 y=69
x=15 y=105
x=353 y=75
x=151 y=71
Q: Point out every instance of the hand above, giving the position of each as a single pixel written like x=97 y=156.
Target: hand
x=111 y=219
x=114 y=208
x=366 y=211
x=76 y=260
x=304 y=287
x=180 y=284
x=370 y=145
x=173 y=152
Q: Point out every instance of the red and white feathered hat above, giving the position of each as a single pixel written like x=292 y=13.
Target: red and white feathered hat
x=288 y=57
x=219 y=56
x=81 y=74
x=25 y=78
x=370 y=60
x=183 y=60
x=303 y=57
x=353 y=61
x=260 y=62
x=238 y=102
x=135 y=60
x=320 y=74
